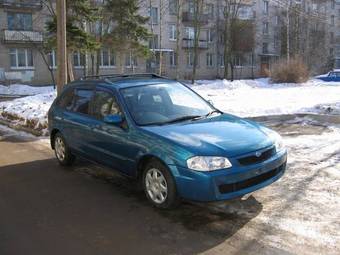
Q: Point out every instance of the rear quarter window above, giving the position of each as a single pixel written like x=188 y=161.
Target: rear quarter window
x=66 y=100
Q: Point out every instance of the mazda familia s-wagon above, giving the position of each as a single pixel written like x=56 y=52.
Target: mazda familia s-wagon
x=162 y=133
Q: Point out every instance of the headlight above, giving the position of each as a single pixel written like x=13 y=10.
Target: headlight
x=206 y=164
x=279 y=144
x=276 y=138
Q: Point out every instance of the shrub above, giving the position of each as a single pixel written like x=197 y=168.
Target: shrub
x=293 y=71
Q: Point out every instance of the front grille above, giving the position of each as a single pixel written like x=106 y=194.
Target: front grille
x=228 y=188
x=253 y=159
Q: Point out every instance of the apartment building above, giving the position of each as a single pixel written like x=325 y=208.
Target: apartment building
x=22 y=33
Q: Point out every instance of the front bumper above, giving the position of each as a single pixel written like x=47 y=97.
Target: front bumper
x=230 y=183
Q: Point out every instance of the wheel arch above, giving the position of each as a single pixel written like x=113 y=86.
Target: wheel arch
x=145 y=159
x=52 y=136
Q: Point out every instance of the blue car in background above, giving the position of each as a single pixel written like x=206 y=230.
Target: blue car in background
x=331 y=76
x=162 y=133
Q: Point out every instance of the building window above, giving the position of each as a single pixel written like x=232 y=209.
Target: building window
x=19 y=21
x=190 y=58
x=221 y=60
x=78 y=59
x=153 y=42
x=209 y=36
x=265 y=6
x=277 y=20
x=210 y=10
x=210 y=61
x=265 y=48
x=191 y=7
x=332 y=20
x=52 y=59
x=154 y=15
x=21 y=58
x=172 y=58
x=130 y=60
x=190 y=33
x=173 y=7
x=265 y=28
x=331 y=37
x=172 y=32
x=107 y=58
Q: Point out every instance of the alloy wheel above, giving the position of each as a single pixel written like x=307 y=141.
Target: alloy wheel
x=156 y=185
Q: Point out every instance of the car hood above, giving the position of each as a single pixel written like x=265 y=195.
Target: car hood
x=224 y=135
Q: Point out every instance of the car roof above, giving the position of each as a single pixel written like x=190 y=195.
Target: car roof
x=123 y=81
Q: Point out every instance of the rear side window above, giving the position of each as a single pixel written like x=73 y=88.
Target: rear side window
x=104 y=104
x=66 y=100
x=82 y=98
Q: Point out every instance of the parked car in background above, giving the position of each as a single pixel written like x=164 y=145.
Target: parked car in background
x=331 y=76
x=164 y=134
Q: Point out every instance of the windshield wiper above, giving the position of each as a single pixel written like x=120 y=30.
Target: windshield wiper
x=184 y=118
x=212 y=112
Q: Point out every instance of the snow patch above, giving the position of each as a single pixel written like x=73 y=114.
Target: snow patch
x=24 y=90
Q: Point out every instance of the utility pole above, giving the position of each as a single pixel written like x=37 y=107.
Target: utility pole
x=61 y=45
x=288 y=29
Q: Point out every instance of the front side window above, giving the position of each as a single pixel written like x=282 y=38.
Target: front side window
x=82 y=100
x=104 y=104
x=21 y=58
x=164 y=103
x=19 y=21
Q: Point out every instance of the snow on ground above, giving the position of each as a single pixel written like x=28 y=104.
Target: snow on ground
x=28 y=111
x=24 y=90
x=245 y=98
x=249 y=98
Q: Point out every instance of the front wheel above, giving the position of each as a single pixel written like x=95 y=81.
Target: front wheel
x=62 y=151
x=159 y=186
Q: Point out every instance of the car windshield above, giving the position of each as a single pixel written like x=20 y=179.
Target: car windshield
x=160 y=104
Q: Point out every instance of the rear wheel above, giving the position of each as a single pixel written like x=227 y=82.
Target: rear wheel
x=62 y=151
x=159 y=185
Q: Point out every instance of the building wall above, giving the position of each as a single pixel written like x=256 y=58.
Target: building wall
x=266 y=51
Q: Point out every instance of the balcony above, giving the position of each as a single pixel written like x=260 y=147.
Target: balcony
x=14 y=36
x=21 y=4
x=188 y=43
x=190 y=17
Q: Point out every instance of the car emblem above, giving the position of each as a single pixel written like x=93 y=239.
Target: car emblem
x=258 y=154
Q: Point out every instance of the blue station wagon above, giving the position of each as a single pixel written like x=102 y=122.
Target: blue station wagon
x=162 y=133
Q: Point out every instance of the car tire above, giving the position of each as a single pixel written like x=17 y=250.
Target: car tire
x=62 y=151
x=159 y=185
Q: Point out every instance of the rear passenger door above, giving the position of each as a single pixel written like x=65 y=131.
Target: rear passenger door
x=78 y=120
x=110 y=143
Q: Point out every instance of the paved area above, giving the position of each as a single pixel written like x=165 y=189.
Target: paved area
x=47 y=209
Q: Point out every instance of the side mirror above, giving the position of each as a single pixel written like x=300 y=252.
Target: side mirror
x=115 y=119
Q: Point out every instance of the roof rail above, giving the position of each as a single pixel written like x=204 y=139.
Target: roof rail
x=113 y=77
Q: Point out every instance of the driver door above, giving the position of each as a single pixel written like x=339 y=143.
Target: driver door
x=111 y=143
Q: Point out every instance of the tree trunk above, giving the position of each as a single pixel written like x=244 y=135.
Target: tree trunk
x=70 y=67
